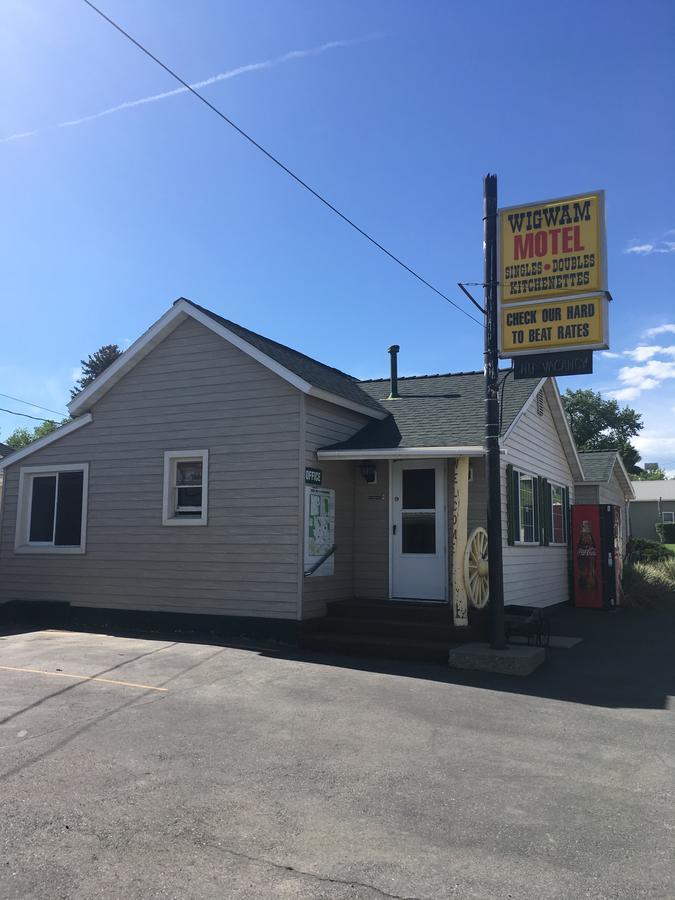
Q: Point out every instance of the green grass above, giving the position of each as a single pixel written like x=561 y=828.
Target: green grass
x=670 y=547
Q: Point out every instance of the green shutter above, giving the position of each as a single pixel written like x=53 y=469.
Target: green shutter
x=510 y=505
x=566 y=513
x=536 y=511
x=567 y=518
x=545 y=524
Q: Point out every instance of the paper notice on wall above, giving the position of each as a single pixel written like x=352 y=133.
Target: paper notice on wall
x=319 y=529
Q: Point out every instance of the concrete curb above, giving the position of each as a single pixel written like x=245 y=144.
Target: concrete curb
x=514 y=660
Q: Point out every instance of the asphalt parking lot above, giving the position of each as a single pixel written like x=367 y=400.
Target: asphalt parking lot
x=188 y=770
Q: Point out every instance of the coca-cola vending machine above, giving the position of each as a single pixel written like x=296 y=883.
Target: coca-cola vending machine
x=596 y=555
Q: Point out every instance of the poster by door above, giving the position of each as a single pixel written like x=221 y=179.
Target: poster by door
x=319 y=529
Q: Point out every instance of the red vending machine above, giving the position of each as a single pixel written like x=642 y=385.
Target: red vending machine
x=596 y=555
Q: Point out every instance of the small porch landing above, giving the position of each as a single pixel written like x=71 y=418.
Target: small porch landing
x=389 y=628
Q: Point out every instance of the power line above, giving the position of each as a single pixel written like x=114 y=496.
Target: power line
x=25 y=415
x=36 y=405
x=278 y=162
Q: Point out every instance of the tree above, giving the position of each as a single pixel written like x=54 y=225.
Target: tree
x=651 y=472
x=21 y=437
x=599 y=424
x=93 y=365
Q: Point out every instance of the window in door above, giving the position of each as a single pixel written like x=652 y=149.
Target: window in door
x=418 y=511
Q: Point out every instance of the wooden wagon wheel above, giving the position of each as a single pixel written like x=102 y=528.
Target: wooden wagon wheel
x=476 y=568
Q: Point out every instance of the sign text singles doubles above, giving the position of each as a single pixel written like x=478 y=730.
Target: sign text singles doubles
x=554 y=248
x=557 y=325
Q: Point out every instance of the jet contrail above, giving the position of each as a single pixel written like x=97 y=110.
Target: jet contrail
x=214 y=79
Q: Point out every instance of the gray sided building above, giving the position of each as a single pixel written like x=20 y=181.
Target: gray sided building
x=213 y=471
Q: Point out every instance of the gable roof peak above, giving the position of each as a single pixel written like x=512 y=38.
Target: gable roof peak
x=304 y=373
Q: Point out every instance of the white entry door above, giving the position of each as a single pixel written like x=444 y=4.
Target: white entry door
x=418 y=545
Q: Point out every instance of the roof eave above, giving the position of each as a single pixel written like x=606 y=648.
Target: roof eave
x=56 y=435
x=401 y=453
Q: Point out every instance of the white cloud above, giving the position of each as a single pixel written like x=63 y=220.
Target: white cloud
x=629 y=393
x=661 y=329
x=652 y=443
x=647 y=248
x=642 y=352
x=609 y=355
x=207 y=82
x=647 y=376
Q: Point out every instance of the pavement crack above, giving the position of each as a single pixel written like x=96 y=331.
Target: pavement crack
x=325 y=879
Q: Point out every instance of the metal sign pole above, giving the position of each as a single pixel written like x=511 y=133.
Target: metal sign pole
x=492 y=457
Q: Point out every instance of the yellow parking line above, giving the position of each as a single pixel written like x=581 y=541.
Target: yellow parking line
x=145 y=687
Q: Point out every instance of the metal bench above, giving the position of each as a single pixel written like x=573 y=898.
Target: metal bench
x=530 y=622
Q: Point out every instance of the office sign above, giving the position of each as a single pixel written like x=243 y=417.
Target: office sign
x=313 y=476
x=544 y=365
x=553 y=248
x=538 y=327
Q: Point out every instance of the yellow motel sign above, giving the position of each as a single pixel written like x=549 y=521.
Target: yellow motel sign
x=552 y=248
x=552 y=265
x=578 y=323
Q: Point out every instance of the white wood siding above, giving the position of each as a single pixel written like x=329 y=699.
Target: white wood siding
x=612 y=492
x=586 y=493
x=327 y=424
x=534 y=573
x=194 y=391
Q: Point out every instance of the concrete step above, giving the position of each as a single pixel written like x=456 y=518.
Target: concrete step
x=367 y=645
x=391 y=610
x=386 y=628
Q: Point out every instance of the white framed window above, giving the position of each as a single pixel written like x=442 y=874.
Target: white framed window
x=52 y=509
x=528 y=532
x=668 y=518
x=186 y=483
x=558 y=535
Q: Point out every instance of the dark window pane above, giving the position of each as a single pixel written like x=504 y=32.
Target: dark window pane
x=527 y=509
x=418 y=533
x=189 y=472
x=69 y=510
x=188 y=496
x=419 y=488
x=42 y=508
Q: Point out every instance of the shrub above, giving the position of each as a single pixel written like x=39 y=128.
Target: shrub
x=648 y=551
x=666 y=532
x=650 y=585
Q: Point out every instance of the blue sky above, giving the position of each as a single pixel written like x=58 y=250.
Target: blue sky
x=395 y=115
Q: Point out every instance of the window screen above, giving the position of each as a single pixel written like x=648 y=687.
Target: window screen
x=418 y=511
x=528 y=533
x=68 y=531
x=557 y=515
x=189 y=487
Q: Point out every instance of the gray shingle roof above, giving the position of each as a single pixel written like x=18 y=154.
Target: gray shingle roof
x=5 y=450
x=435 y=411
x=317 y=374
x=598 y=465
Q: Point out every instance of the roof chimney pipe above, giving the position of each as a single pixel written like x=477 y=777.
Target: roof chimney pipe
x=393 y=352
